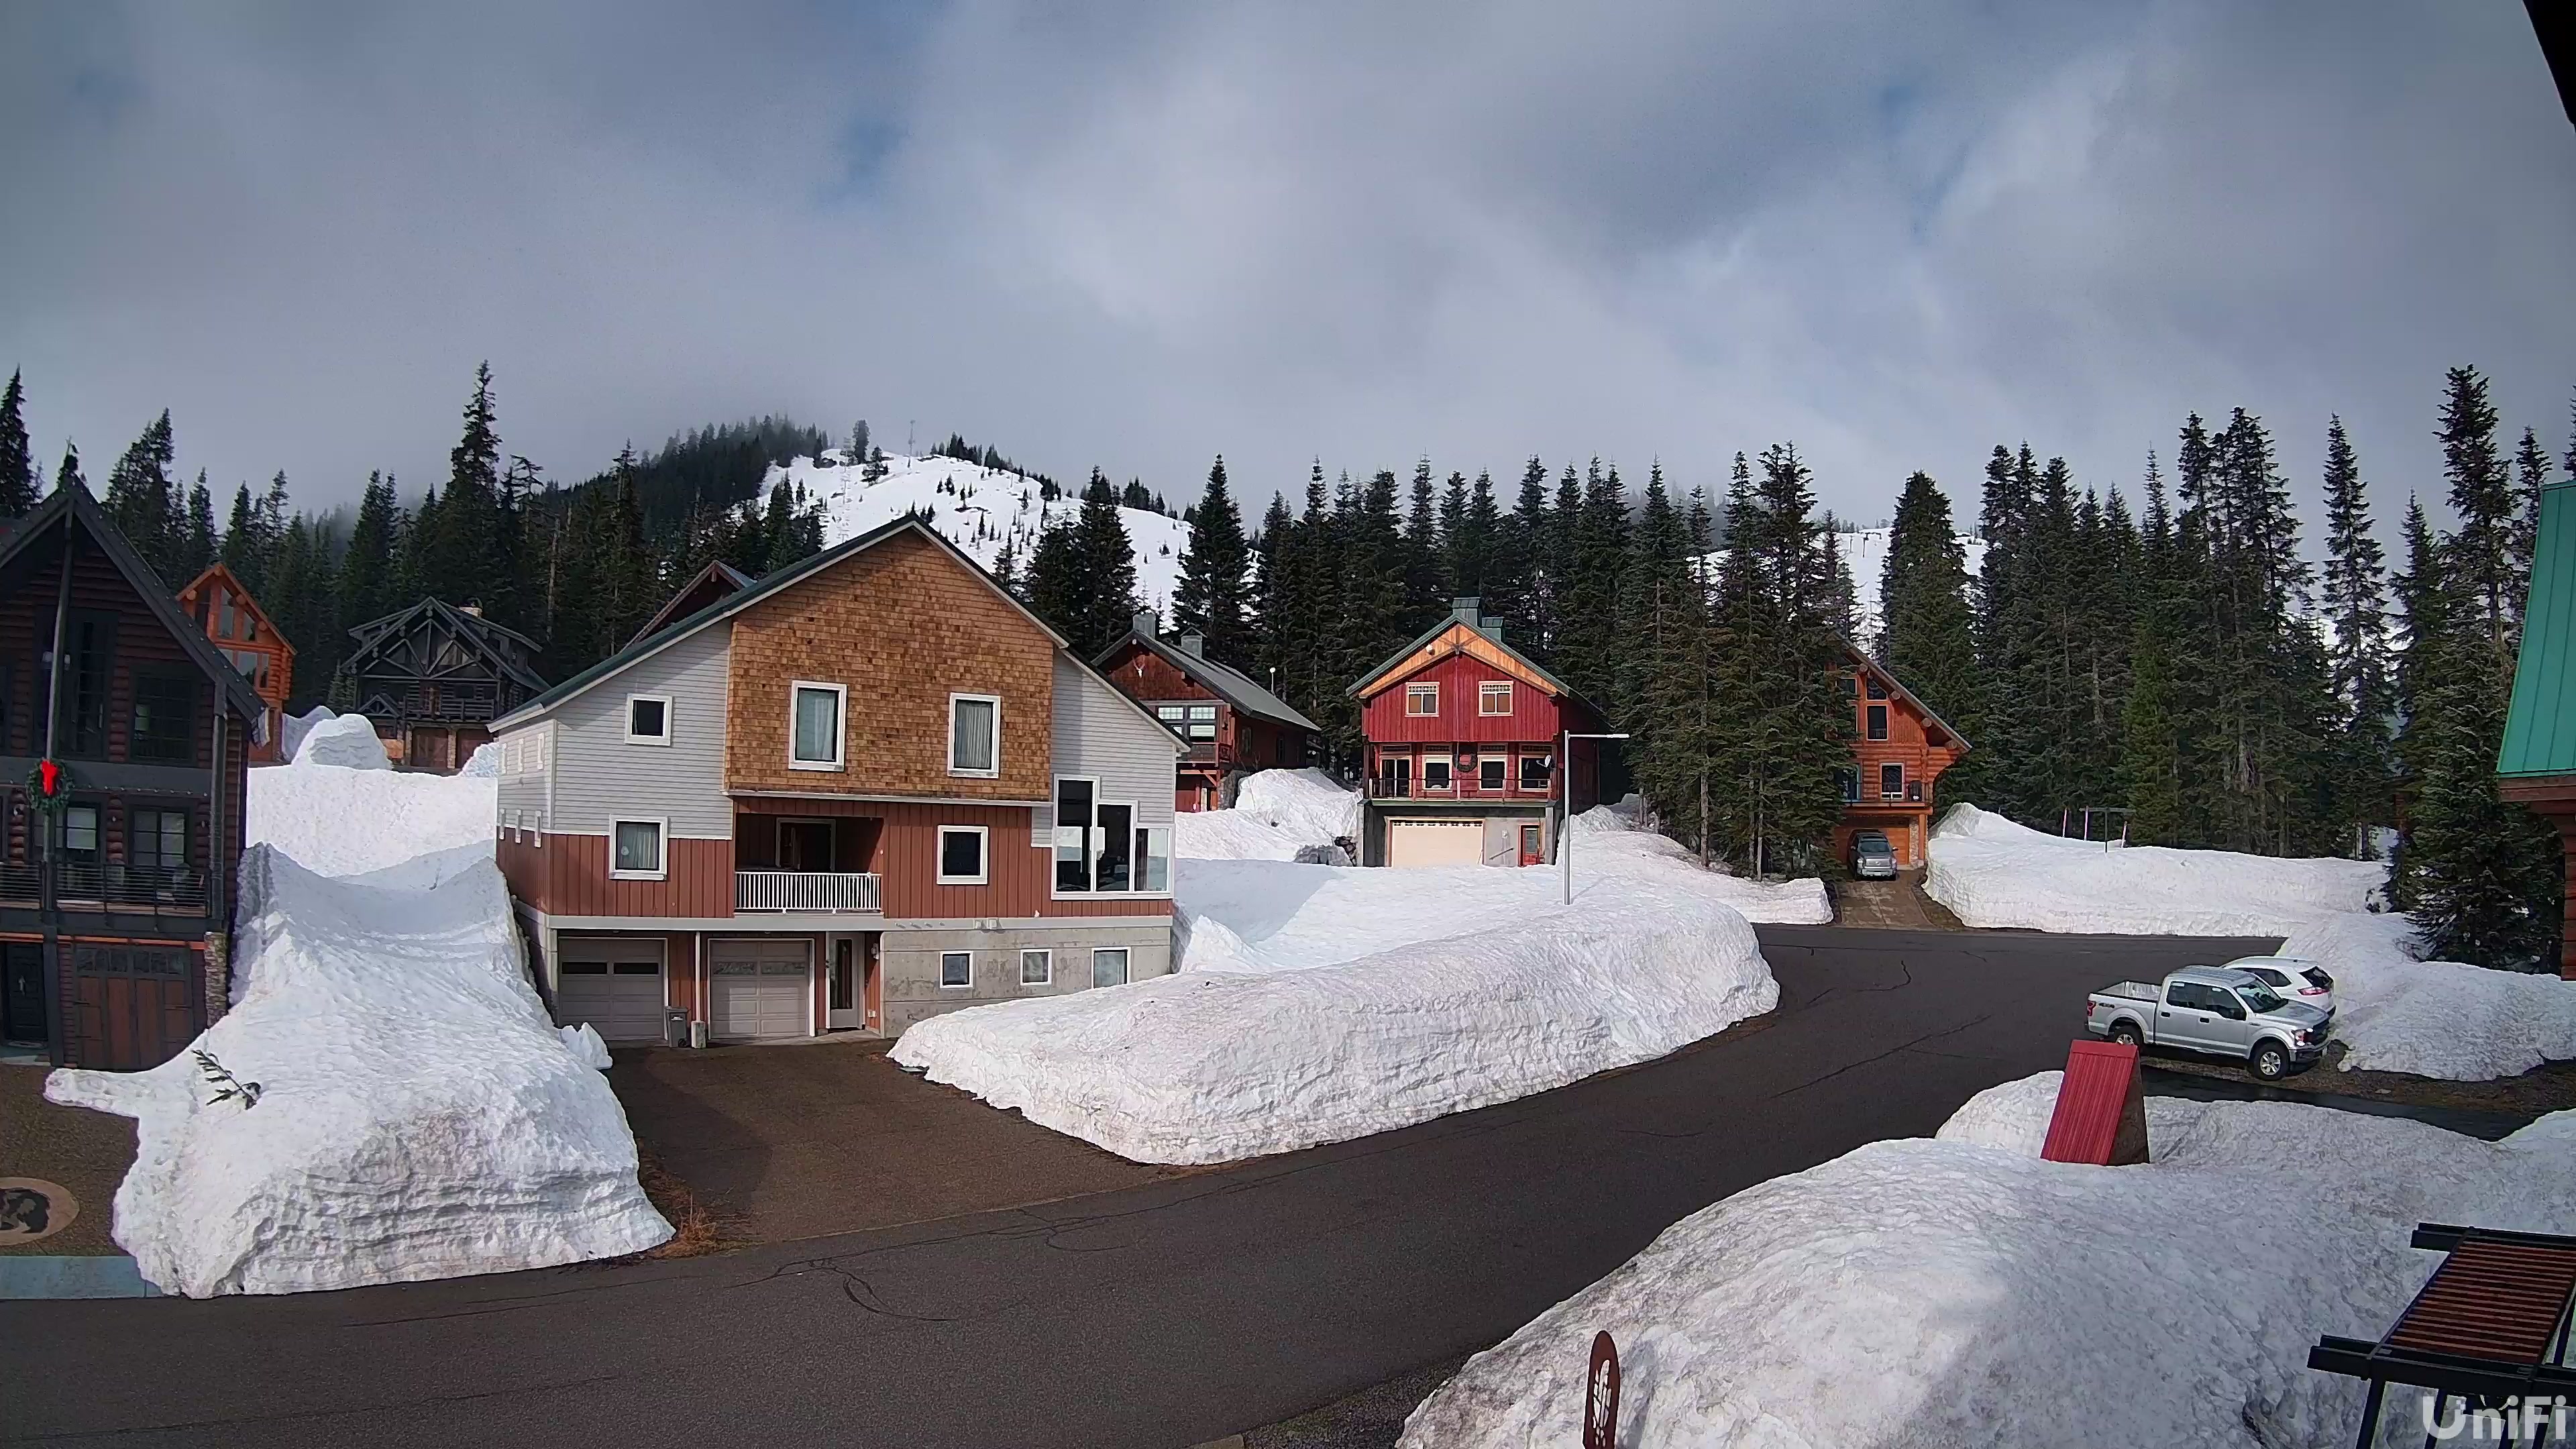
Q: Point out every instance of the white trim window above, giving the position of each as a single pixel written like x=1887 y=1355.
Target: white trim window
x=1037 y=968
x=965 y=854
x=975 y=735
x=1494 y=697
x=639 y=849
x=956 y=970
x=1422 y=701
x=1109 y=966
x=648 y=719
x=817 y=717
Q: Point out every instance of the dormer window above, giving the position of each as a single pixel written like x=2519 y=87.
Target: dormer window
x=1421 y=701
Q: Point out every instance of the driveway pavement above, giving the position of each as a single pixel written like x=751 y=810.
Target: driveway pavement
x=74 y=1148
x=1167 y=1314
x=796 y=1141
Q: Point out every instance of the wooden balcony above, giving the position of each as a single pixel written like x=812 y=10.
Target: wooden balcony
x=124 y=890
x=838 y=891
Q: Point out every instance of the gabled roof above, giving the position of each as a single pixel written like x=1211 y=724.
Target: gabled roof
x=708 y=584
x=74 y=503
x=1224 y=683
x=2540 y=728
x=241 y=594
x=1907 y=695
x=1463 y=614
x=487 y=637
x=805 y=568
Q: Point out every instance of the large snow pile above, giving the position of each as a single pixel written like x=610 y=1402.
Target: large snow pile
x=345 y=822
x=981 y=510
x=293 y=729
x=1962 y=1292
x=418 y=1115
x=2433 y=1018
x=1992 y=872
x=1318 y=1003
x=346 y=740
x=1276 y=813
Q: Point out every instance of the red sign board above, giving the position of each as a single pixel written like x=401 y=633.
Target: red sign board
x=1601 y=1395
x=2101 y=1115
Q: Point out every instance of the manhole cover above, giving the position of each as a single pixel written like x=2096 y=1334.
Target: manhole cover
x=32 y=1208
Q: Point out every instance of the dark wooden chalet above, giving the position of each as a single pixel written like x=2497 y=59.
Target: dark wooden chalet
x=115 y=888
x=1233 y=725
x=718 y=580
x=1899 y=749
x=433 y=677
x=242 y=632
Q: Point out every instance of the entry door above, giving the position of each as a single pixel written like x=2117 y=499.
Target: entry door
x=843 y=1007
x=22 y=1005
x=1531 y=854
x=805 y=845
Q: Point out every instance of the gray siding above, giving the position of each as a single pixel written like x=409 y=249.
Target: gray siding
x=521 y=795
x=909 y=961
x=1098 y=732
x=598 y=776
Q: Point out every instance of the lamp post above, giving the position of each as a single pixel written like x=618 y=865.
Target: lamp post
x=1565 y=792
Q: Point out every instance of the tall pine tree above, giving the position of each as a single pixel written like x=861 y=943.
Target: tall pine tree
x=1211 y=597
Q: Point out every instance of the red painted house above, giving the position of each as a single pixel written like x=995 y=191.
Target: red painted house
x=1899 y=747
x=1463 y=737
x=1233 y=725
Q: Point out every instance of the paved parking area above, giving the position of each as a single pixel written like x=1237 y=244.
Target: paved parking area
x=74 y=1147
x=804 y=1139
x=1890 y=905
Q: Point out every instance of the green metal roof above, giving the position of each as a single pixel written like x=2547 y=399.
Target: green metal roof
x=2540 y=733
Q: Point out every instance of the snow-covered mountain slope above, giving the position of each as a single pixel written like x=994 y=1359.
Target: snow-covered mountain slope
x=979 y=509
x=1865 y=552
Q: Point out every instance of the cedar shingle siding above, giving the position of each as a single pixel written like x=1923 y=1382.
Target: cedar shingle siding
x=902 y=625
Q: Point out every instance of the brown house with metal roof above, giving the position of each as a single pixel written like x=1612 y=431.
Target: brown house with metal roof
x=1233 y=725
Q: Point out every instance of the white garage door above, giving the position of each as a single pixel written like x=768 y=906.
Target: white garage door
x=1435 y=842
x=616 y=986
x=762 y=988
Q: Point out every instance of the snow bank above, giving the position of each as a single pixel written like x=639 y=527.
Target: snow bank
x=1955 y=1291
x=1276 y=813
x=295 y=727
x=345 y=740
x=1992 y=872
x=340 y=821
x=2433 y=1018
x=418 y=1114
x=1319 y=1003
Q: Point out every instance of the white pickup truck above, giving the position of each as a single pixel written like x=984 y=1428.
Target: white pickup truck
x=2216 y=1010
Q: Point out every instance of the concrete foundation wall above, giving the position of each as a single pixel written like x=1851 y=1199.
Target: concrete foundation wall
x=910 y=962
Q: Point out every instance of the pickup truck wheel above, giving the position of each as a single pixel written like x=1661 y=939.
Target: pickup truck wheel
x=2126 y=1033
x=2271 y=1061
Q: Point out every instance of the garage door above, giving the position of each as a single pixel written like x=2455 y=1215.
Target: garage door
x=1435 y=842
x=762 y=988
x=616 y=986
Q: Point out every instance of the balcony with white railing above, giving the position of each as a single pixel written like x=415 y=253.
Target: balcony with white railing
x=849 y=892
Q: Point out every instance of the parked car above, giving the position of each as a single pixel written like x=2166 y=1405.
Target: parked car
x=2293 y=978
x=1872 y=858
x=2216 y=1011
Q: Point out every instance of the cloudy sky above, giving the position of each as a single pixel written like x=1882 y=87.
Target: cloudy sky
x=1136 y=236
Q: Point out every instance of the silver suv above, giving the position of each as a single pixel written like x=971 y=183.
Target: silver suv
x=1872 y=858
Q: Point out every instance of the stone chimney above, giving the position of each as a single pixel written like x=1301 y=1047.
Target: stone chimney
x=1143 y=622
x=1193 y=644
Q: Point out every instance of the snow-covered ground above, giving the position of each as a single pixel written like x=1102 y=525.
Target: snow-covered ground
x=1320 y=1003
x=418 y=1115
x=2433 y=1018
x=980 y=510
x=1960 y=1291
x=1992 y=872
x=1276 y=813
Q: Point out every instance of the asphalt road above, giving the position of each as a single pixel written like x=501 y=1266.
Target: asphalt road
x=1164 y=1315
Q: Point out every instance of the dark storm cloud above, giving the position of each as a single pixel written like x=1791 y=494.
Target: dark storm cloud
x=1370 y=232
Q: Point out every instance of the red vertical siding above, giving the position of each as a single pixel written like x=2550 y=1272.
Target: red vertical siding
x=1536 y=715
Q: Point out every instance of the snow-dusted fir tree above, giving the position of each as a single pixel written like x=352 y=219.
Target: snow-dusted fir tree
x=2353 y=592
x=17 y=461
x=1925 y=638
